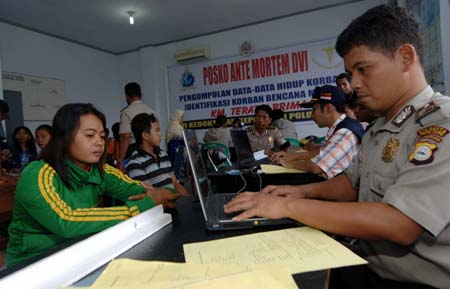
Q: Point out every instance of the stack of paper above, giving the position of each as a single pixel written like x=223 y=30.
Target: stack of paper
x=130 y=274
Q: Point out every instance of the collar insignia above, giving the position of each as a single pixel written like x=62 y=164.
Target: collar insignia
x=426 y=110
x=403 y=115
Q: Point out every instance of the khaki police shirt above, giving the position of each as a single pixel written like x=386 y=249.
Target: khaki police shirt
x=271 y=138
x=127 y=114
x=406 y=163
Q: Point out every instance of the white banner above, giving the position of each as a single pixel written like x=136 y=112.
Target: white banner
x=283 y=78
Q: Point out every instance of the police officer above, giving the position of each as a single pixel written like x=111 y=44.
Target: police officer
x=135 y=106
x=394 y=197
x=261 y=135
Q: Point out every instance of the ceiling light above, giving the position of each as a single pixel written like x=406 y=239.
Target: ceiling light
x=131 y=13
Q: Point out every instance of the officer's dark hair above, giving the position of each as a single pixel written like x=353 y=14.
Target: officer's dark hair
x=31 y=144
x=65 y=125
x=344 y=75
x=4 y=107
x=133 y=89
x=142 y=123
x=220 y=120
x=277 y=114
x=46 y=127
x=264 y=107
x=383 y=28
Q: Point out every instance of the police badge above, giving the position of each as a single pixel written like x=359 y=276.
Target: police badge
x=390 y=150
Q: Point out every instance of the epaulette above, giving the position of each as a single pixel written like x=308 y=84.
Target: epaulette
x=250 y=128
x=436 y=111
x=123 y=109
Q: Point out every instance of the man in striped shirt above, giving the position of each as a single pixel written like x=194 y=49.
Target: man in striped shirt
x=148 y=163
x=342 y=139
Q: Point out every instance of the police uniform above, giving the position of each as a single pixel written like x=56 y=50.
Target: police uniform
x=128 y=113
x=271 y=138
x=406 y=163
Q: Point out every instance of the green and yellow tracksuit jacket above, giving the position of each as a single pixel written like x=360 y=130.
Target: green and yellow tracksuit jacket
x=47 y=214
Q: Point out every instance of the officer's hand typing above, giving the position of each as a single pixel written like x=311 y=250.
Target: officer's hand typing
x=285 y=191
x=257 y=204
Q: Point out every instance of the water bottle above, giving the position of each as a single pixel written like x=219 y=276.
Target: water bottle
x=24 y=160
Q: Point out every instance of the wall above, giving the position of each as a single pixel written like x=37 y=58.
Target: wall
x=89 y=75
x=302 y=28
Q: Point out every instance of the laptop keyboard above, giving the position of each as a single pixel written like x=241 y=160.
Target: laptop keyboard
x=215 y=205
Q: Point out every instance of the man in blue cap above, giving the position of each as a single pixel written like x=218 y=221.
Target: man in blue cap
x=342 y=139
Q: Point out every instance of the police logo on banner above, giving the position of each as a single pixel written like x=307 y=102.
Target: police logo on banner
x=187 y=78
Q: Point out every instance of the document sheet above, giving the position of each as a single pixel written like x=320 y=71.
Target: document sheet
x=300 y=249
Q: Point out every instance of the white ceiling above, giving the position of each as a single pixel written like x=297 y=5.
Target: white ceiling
x=103 y=24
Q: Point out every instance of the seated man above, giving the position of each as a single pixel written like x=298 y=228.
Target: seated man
x=343 y=137
x=394 y=197
x=261 y=135
x=285 y=126
x=148 y=163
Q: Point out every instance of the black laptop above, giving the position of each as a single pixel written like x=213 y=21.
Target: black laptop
x=211 y=203
x=244 y=152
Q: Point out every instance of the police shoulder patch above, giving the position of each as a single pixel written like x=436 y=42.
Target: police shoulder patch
x=434 y=133
x=423 y=153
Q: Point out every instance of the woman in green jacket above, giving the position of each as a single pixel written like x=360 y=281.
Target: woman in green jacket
x=57 y=196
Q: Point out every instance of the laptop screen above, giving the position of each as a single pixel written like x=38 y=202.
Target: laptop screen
x=242 y=145
x=196 y=163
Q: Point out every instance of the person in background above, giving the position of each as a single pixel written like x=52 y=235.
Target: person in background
x=395 y=196
x=261 y=135
x=175 y=144
x=286 y=127
x=175 y=127
x=343 y=137
x=365 y=116
x=219 y=133
x=351 y=104
x=7 y=162
x=135 y=106
x=24 y=146
x=148 y=163
x=43 y=135
x=343 y=81
x=237 y=124
x=56 y=197
x=113 y=148
x=4 y=114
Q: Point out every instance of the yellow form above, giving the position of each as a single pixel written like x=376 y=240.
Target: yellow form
x=244 y=280
x=300 y=249
x=126 y=273
x=274 y=169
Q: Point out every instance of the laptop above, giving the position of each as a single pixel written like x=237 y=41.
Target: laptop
x=212 y=203
x=244 y=152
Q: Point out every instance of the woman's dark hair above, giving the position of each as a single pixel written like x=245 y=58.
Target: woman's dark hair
x=220 y=120
x=31 y=145
x=45 y=127
x=115 y=131
x=65 y=125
